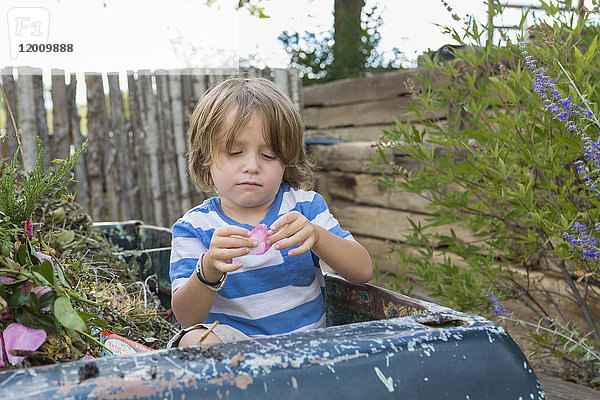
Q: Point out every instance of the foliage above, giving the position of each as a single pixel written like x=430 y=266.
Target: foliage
x=62 y=283
x=504 y=164
x=313 y=53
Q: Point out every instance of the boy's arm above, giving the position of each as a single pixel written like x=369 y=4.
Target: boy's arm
x=347 y=257
x=191 y=302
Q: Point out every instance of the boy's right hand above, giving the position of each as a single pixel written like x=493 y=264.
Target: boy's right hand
x=227 y=242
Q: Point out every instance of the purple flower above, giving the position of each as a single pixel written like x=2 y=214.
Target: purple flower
x=581 y=239
x=496 y=306
x=566 y=110
x=28 y=226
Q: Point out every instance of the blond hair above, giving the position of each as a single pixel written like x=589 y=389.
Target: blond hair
x=227 y=108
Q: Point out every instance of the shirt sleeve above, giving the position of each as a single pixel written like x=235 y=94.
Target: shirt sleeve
x=320 y=215
x=187 y=248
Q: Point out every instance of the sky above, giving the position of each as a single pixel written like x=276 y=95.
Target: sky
x=119 y=35
x=131 y=34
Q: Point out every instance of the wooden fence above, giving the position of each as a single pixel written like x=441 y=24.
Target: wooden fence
x=134 y=166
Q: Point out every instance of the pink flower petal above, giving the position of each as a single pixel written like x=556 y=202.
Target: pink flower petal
x=19 y=337
x=87 y=356
x=6 y=279
x=43 y=257
x=260 y=233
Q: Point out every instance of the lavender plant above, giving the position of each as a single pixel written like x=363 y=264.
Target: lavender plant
x=516 y=162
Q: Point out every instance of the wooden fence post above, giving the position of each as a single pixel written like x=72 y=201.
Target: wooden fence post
x=96 y=135
x=9 y=145
x=60 y=144
x=171 y=199
x=121 y=141
x=81 y=173
x=150 y=127
x=40 y=115
x=139 y=154
x=27 y=115
x=199 y=88
x=179 y=132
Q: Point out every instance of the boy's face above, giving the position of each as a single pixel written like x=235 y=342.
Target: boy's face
x=247 y=177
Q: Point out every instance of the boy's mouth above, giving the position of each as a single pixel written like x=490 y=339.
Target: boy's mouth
x=249 y=184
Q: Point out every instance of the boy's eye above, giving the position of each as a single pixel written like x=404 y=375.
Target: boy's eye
x=269 y=157
x=234 y=153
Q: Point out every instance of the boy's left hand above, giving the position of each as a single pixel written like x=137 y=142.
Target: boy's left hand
x=293 y=228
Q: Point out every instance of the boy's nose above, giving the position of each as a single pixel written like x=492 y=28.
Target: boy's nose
x=251 y=165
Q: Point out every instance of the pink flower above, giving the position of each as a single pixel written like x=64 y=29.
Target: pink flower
x=28 y=226
x=260 y=233
x=43 y=257
x=19 y=337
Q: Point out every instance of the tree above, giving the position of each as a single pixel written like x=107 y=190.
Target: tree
x=345 y=51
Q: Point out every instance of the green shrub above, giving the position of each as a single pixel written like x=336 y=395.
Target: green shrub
x=504 y=165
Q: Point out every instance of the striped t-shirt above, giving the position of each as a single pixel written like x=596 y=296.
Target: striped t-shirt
x=273 y=293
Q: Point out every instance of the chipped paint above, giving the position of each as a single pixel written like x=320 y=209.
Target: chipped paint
x=388 y=382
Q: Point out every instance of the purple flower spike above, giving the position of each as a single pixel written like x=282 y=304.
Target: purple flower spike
x=19 y=337
x=260 y=233
x=28 y=226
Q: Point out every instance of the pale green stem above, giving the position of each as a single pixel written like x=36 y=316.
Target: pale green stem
x=93 y=339
x=555 y=332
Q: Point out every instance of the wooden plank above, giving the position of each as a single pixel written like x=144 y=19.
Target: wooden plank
x=9 y=146
x=367 y=113
x=123 y=165
x=367 y=133
x=171 y=197
x=386 y=223
x=95 y=135
x=81 y=175
x=356 y=90
x=362 y=189
x=60 y=143
x=557 y=389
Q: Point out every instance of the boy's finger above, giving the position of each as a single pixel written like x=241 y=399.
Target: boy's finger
x=230 y=242
x=232 y=230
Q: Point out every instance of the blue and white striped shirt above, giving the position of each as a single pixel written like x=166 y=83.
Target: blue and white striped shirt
x=272 y=293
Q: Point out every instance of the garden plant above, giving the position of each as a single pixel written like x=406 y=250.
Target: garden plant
x=517 y=162
x=61 y=282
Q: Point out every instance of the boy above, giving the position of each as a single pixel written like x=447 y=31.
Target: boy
x=246 y=144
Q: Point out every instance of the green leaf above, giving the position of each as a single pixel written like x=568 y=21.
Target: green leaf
x=22 y=254
x=47 y=271
x=592 y=49
x=35 y=320
x=66 y=315
x=93 y=318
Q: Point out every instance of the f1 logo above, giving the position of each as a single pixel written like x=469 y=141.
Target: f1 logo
x=27 y=25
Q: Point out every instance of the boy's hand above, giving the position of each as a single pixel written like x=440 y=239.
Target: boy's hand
x=293 y=228
x=227 y=243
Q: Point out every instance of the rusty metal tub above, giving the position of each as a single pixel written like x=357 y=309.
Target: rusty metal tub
x=378 y=344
